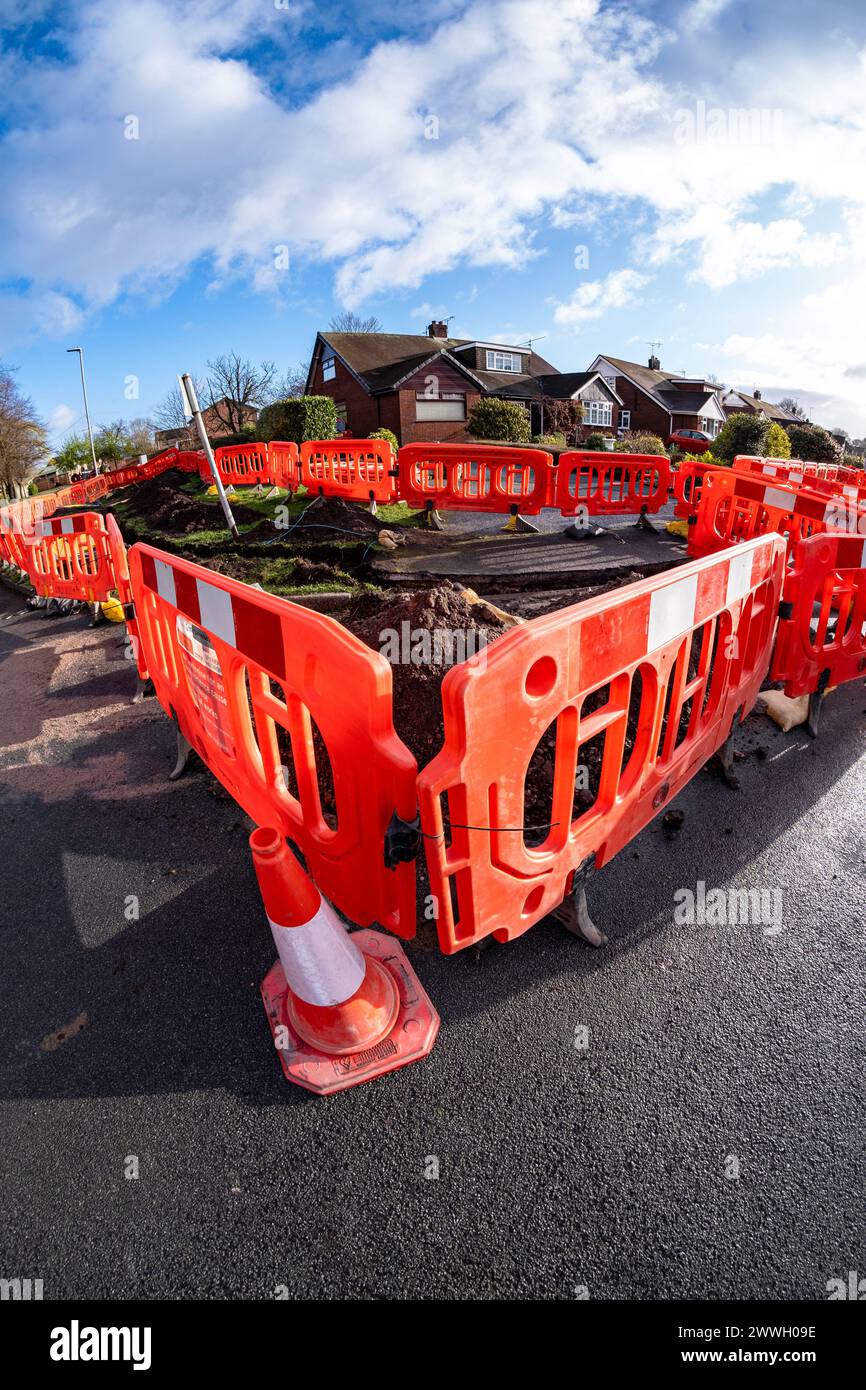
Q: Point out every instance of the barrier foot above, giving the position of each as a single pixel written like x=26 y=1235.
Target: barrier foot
x=725 y=758
x=518 y=524
x=97 y=617
x=813 y=719
x=573 y=911
x=432 y=519
x=373 y=508
x=643 y=523
x=184 y=753
x=143 y=686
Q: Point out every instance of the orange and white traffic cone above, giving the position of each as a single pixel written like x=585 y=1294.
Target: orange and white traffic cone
x=342 y=1008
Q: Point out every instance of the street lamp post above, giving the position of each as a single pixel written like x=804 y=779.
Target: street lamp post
x=80 y=352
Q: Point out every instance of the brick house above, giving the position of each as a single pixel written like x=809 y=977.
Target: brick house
x=660 y=401
x=187 y=434
x=740 y=402
x=421 y=386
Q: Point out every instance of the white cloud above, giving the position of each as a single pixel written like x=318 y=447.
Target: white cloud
x=550 y=113
x=731 y=249
x=61 y=419
x=594 y=298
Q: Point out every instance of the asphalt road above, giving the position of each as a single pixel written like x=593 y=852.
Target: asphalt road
x=563 y=1172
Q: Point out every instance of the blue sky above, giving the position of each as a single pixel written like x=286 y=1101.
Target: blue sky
x=592 y=175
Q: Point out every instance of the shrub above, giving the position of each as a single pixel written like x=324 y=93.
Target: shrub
x=492 y=418
x=298 y=418
x=811 y=443
x=778 y=445
x=32 y=489
x=385 y=434
x=742 y=434
x=553 y=441
x=854 y=461
x=640 y=442
x=228 y=441
x=594 y=441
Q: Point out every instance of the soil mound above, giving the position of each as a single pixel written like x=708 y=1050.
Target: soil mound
x=423 y=634
x=164 y=507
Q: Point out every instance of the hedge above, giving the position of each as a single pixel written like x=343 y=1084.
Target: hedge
x=298 y=418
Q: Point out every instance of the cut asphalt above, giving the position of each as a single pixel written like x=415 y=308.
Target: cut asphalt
x=707 y=1142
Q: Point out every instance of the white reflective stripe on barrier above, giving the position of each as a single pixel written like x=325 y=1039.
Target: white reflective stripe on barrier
x=672 y=611
x=322 y=964
x=739 y=578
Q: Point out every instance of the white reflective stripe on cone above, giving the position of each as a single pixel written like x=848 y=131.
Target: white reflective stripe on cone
x=322 y=963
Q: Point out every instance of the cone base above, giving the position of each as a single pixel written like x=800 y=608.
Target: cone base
x=412 y=1037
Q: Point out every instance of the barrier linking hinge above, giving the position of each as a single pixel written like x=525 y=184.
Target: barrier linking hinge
x=394 y=472
x=786 y=610
x=128 y=611
x=402 y=840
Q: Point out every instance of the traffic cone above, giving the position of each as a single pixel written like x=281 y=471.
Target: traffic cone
x=342 y=1008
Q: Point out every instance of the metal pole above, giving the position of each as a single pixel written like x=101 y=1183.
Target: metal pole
x=192 y=401
x=80 y=352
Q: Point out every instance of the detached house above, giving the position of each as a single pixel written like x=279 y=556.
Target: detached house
x=423 y=386
x=740 y=402
x=659 y=401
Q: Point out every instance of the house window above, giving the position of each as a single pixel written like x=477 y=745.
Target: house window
x=340 y=412
x=598 y=413
x=443 y=405
x=710 y=427
x=329 y=368
x=625 y=419
x=504 y=361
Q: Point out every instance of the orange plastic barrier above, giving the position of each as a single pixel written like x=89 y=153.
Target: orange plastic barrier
x=822 y=625
x=284 y=464
x=123 y=584
x=189 y=460
x=242 y=465
x=14 y=546
x=733 y=507
x=359 y=469
x=794 y=472
x=258 y=687
x=665 y=665
x=606 y=484
x=475 y=477
x=70 y=558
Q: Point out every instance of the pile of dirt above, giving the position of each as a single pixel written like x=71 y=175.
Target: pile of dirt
x=423 y=634
x=326 y=514
x=165 y=508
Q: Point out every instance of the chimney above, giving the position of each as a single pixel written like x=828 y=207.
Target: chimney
x=437 y=329
x=756 y=393
x=654 y=364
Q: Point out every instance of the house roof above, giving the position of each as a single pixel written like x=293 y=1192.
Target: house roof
x=381 y=360
x=687 y=402
x=560 y=386
x=768 y=408
x=666 y=388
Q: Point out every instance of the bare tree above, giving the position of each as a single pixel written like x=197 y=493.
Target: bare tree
x=169 y=414
x=793 y=406
x=235 y=387
x=347 y=322
x=291 y=383
x=23 y=441
x=140 y=433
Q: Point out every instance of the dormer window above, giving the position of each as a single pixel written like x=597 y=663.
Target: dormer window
x=329 y=368
x=504 y=361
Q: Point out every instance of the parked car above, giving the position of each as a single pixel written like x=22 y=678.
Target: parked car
x=690 y=441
